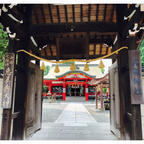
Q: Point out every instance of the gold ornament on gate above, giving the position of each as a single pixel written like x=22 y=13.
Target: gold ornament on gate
x=57 y=70
x=73 y=67
x=86 y=67
x=43 y=66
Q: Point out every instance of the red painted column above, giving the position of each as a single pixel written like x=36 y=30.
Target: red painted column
x=101 y=96
x=64 y=91
x=86 y=92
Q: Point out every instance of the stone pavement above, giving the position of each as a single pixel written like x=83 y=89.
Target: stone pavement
x=73 y=121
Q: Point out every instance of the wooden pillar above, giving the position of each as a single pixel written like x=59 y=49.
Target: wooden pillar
x=22 y=76
x=7 y=93
x=130 y=114
x=135 y=108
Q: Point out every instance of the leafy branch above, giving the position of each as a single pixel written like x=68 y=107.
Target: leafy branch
x=4 y=41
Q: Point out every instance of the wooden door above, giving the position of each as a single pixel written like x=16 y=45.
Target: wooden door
x=114 y=100
x=33 y=104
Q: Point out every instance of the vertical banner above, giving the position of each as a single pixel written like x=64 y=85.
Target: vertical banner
x=135 y=77
x=8 y=80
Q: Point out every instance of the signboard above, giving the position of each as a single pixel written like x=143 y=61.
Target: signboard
x=135 y=77
x=8 y=80
x=57 y=82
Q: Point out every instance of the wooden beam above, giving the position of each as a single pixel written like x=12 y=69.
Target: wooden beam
x=77 y=27
x=105 y=10
x=73 y=11
x=66 y=17
x=89 y=11
x=42 y=11
x=50 y=13
x=97 y=11
x=81 y=12
x=58 y=14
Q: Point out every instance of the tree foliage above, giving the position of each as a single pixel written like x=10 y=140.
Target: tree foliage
x=46 y=71
x=142 y=52
x=3 y=45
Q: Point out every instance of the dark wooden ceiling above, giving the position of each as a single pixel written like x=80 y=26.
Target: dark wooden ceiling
x=51 y=24
x=94 y=21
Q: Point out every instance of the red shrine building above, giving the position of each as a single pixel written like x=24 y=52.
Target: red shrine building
x=73 y=83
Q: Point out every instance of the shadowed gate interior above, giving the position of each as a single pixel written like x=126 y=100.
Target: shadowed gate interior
x=61 y=32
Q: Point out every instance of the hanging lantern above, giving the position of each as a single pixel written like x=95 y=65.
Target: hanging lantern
x=86 y=67
x=109 y=50
x=73 y=67
x=42 y=66
x=56 y=69
x=101 y=65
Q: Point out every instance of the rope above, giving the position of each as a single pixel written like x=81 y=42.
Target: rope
x=71 y=60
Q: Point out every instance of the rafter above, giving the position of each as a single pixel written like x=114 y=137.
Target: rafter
x=45 y=51
x=112 y=13
x=97 y=11
x=95 y=46
x=73 y=11
x=50 y=50
x=50 y=13
x=101 y=44
x=66 y=17
x=58 y=14
x=105 y=10
x=107 y=47
x=42 y=12
x=36 y=16
x=81 y=12
x=89 y=11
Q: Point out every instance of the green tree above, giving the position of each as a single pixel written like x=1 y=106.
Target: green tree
x=46 y=71
x=4 y=41
x=141 y=48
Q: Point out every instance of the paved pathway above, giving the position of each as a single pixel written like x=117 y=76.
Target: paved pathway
x=73 y=121
x=75 y=115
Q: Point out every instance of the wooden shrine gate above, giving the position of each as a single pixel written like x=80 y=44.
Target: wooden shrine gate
x=21 y=117
x=33 y=28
